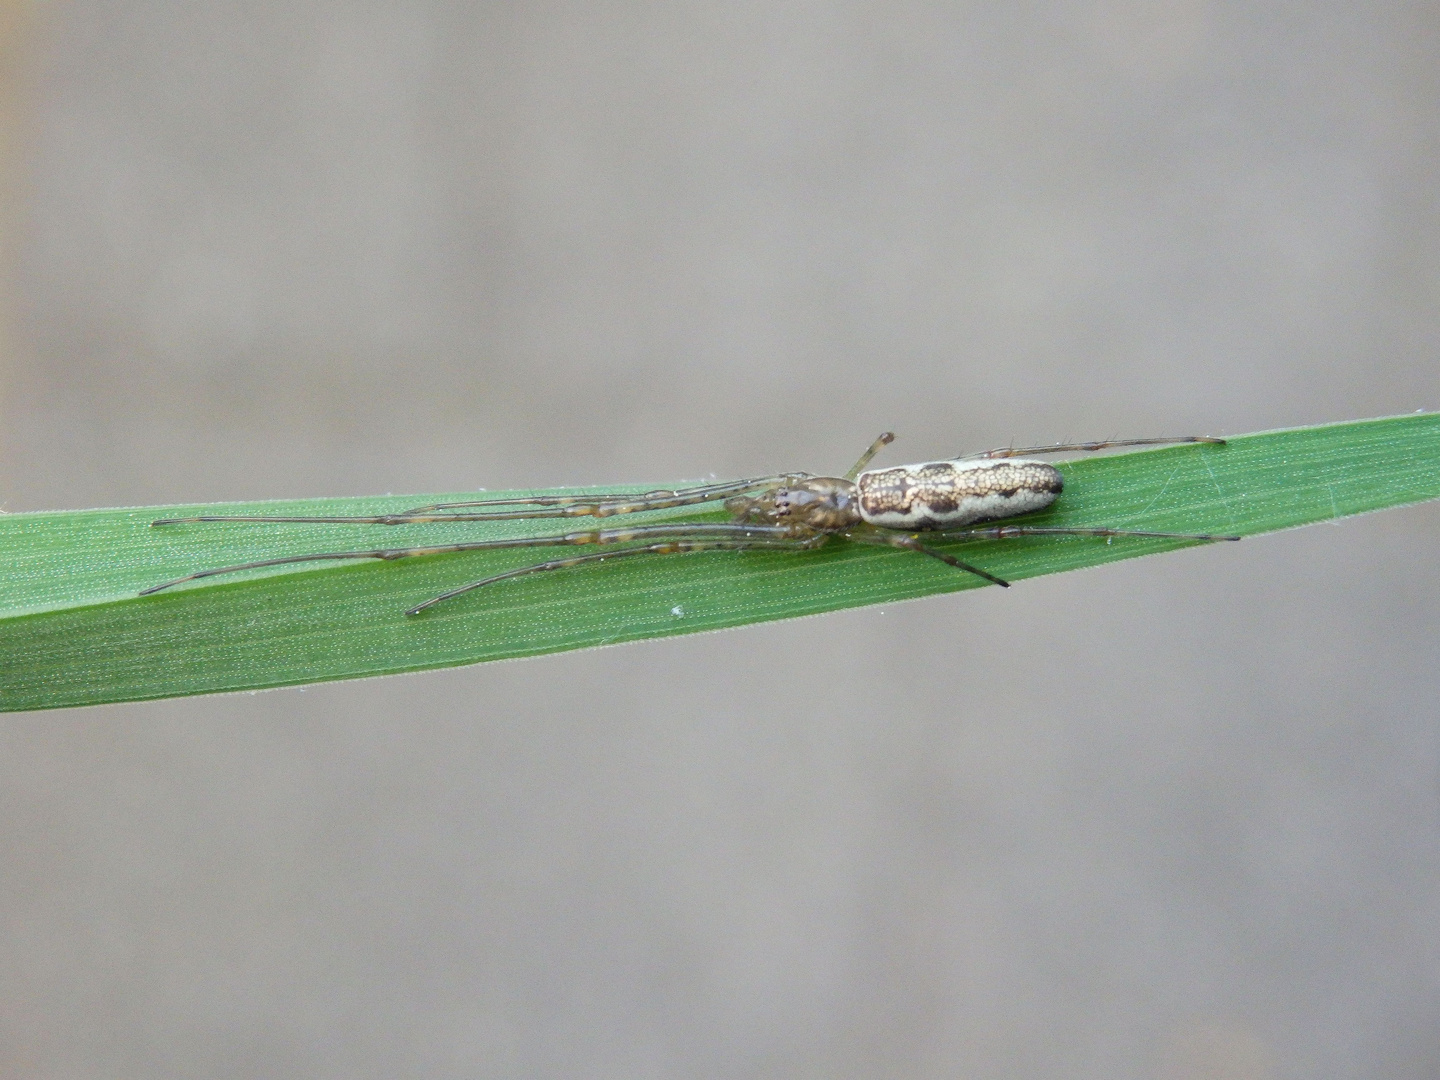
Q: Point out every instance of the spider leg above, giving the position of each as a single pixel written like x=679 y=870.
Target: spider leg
x=912 y=543
x=667 y=547
x=1004 y=532
x=1091 y=447
x=548 y=506
x=623 y=503
x=696 y=531
x=884 y=440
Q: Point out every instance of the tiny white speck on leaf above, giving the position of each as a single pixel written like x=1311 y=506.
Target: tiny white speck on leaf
x=677 y=611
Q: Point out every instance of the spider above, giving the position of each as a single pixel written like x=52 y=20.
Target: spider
x=900 y=506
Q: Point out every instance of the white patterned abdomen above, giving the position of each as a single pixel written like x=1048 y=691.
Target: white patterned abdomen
x=953 y=494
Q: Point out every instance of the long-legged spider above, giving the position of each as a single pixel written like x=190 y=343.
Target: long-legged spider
x=892 y=507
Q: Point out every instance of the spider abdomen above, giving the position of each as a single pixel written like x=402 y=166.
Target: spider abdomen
x=953 y=494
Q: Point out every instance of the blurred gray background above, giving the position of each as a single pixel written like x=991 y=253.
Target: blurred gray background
x=1177 y=818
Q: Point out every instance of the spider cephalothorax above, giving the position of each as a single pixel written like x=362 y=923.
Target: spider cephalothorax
x=808 y=504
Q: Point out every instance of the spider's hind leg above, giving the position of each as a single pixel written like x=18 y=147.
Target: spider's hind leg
x=1090 y=447
x=1005 y=532
x=909 y=542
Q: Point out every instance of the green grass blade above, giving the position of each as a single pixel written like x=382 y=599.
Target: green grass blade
x=74 y=632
